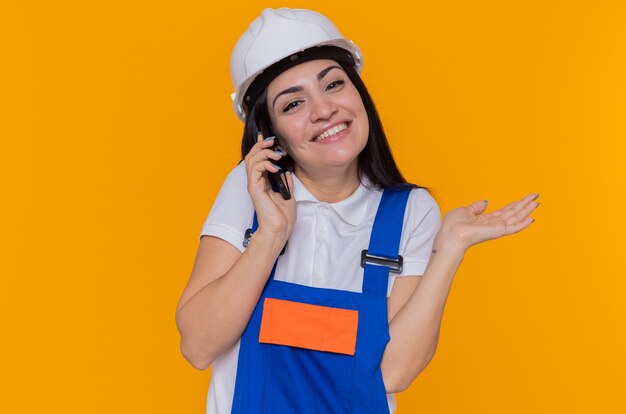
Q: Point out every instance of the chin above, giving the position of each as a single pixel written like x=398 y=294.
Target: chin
x=343 y=161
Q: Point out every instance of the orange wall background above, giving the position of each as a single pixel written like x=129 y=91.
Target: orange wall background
x=116 y=131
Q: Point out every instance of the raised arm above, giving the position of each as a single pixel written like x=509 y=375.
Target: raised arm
x=414 y=328
x=225 y=284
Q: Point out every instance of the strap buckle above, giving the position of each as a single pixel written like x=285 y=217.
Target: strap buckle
x=394 y=265
x=246 y=237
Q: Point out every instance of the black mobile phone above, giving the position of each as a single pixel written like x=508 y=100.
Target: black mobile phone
x=278 y=180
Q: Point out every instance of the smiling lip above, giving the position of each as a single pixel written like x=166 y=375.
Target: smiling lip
x=336 y=135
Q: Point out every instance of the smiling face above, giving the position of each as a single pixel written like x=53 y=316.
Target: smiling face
x=318 y=116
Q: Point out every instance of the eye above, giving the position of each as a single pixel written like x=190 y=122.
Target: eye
x=291 y=105
x=335 y=84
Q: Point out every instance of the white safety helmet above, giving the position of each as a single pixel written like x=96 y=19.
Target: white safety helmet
x=276 y=35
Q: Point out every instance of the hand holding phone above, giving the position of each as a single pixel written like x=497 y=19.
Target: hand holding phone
x=276 y=213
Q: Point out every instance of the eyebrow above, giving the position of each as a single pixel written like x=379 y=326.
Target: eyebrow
x=298 y=88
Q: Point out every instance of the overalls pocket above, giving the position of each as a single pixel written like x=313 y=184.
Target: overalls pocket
x=309 y=357
x=320 y=328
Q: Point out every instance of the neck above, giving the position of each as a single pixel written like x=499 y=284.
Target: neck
x=330 y=185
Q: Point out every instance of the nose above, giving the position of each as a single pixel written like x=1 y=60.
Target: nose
x=322 y=107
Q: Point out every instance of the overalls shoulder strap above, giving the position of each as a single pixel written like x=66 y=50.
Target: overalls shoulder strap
x=385 y=241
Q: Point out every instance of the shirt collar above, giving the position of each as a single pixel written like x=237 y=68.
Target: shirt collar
x=352 y=210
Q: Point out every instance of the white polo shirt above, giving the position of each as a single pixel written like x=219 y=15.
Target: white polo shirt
x=324 y=249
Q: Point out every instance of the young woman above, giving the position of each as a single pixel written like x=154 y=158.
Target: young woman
x=324 y=291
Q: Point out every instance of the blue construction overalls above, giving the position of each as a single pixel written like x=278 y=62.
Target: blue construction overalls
x=288 y=377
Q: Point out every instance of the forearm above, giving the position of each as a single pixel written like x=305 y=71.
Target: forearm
x=414 y=331
x=214 y=318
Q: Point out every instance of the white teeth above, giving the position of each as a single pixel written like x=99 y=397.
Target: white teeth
x=332 y=131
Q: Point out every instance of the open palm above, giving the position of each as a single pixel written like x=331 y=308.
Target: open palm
x=468 y=226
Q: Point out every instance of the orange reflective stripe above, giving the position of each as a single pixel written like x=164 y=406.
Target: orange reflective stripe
x=321 y=328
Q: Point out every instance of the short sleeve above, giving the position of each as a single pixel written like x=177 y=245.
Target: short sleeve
x=233 y=211
x=422 y=222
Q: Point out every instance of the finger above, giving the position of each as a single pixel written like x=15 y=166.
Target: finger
x=258 y=181
x=477 y=207
x=263 y=156
x=526 y=210
x=258 y=175
x=266 y=166
x=514 y=228
x=259 y=146
x=514 y=207
x=259 y=136
x=522 y=208
x=265 y=142
x=267 y=153
x=521 y=216
x=525 y=201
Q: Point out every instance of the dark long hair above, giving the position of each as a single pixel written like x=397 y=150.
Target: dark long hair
x=375 y=161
